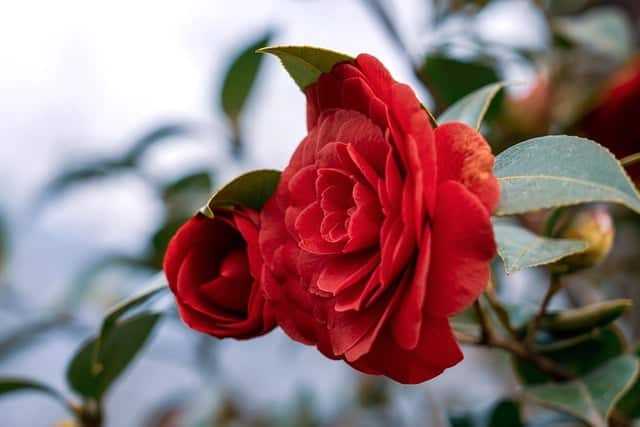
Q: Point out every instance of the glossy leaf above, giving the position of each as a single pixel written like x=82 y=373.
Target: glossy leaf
x=560 y=170
x=13 y=385
x=252 y=190
x=592 y=396
x=578 y=355
x=519 y=248
x=117 y=349
x=305 y=64
x=606 y=30
x=240 y=78
x=472 y=108
x=584 y=319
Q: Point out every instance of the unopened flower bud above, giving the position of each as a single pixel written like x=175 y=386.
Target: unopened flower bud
x=592 y=225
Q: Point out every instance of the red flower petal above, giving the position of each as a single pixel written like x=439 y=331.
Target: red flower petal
x=463 y=246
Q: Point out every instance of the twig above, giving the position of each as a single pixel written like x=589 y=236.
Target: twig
x=554 y=286
x=630 y=160
x=541 y=362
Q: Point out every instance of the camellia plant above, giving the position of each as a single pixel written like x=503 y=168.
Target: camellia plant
x=377 y=242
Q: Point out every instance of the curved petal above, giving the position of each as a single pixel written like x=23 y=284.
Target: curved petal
x=463 y=246
x=464 y=156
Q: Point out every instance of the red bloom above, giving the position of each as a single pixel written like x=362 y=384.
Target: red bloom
x=211 y=265
x=380 y=228
x=614 y=121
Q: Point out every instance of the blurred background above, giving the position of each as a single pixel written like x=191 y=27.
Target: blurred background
x=118 y=119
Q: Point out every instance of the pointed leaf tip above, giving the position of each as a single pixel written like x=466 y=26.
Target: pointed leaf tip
x=305 y=64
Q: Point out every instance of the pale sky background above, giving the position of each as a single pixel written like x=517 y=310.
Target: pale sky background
x=82 y=78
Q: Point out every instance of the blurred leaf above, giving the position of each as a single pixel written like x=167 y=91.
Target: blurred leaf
x=583 y=319
x=251 y=189
x=86 y=279
x=629 y=405
x=560 y=170
x=452 y=79
x=13 y=385
x=606 y=30
x=110 y=166
x=240 y=78
x=466 y=322
x=118 y=348
x=184 y=196
x=160 y=241
x=504 y=413
x=592 y=397
x=156 y=134
x=305 y=64
x=579 y=355
x=157 y=285
x=519 y=248
x=472 y=107
x=82 y=174
x=28 y=333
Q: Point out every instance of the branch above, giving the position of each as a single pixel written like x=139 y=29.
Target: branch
x=532 y=330
x=541 y=362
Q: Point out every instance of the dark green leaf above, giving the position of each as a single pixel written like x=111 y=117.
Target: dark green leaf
x=13 y=385
x=578 y=355
x=305 y=64
x=251 y=189
x=117 y=349
x=504 y=413
x=240 y=78
x=472 y=108
x=158 y=285
x=519 y=248
x=584 y=319
x=629 y=405
x=160 y=241
x=592 y=396
x=560 y=170
x=452 y=79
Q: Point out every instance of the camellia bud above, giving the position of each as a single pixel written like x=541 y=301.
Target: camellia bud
x=592 y=225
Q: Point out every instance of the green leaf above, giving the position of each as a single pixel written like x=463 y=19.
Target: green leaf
x=13 y=385
x=579 y=354
x=251 y=189
x=592 y=397
x=157 y=285
x=186 y=195
x=117 y=349
x=629 y=405
x=472 y=108
x=240 y=78
x=154 y=135
x=305 y=64
x=586 y=318
x=503 y=413
x=452 y=79
x=606 y=30
x=560 y=170
x=519 y=248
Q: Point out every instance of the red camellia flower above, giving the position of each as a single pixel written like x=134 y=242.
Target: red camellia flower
x=211 y=265
x=614 y=121
x=380 y=228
